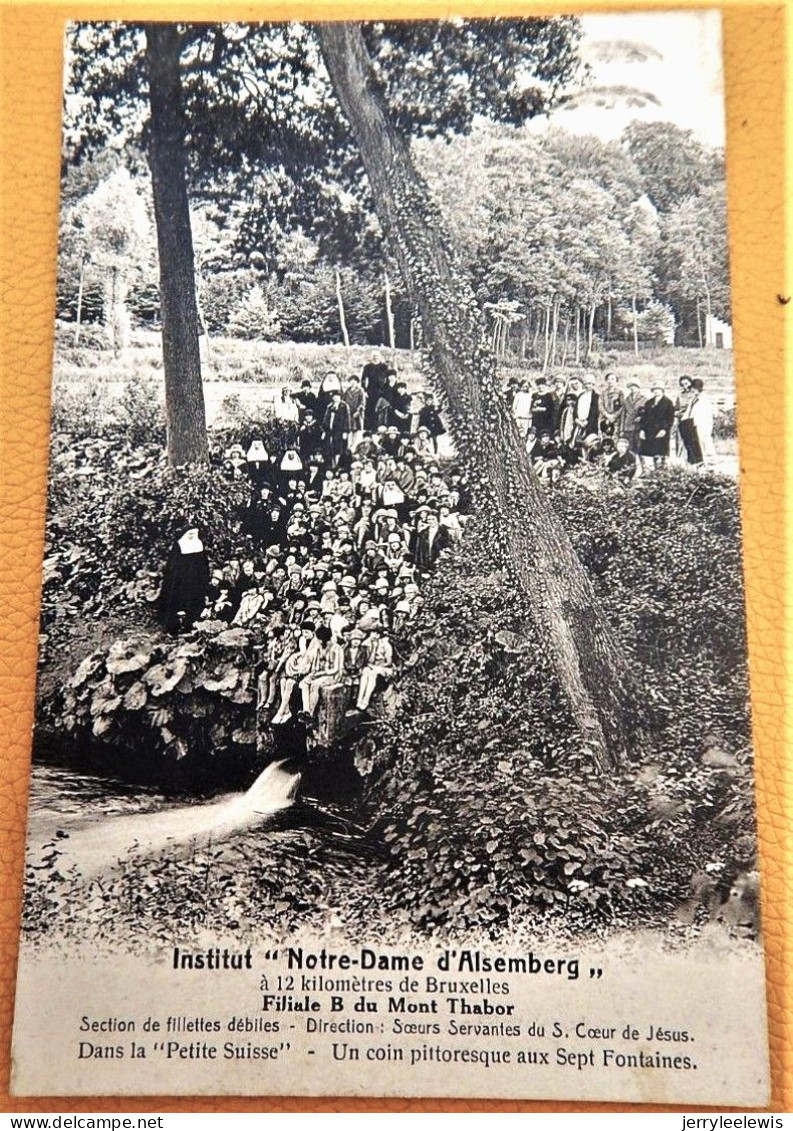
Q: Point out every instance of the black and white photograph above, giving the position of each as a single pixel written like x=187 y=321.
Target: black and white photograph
x=392 y=725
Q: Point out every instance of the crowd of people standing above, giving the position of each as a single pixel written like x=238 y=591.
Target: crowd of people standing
x=578 y=420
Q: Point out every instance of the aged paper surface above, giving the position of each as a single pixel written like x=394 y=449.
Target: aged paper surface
x=745 y=976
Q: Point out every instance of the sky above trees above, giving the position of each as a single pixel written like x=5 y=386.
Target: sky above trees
x=673 y=57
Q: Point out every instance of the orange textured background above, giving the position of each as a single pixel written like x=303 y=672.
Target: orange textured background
x=757 y=65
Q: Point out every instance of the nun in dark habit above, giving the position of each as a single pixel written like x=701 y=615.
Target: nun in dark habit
x=185 y=582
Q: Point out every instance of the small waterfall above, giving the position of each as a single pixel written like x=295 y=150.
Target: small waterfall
x=273 y=790
x=96 y=847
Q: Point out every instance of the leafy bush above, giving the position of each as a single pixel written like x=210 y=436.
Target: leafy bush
x=190 y=700
x=93 y=337
x=115 y=510
x=132 y=415
x=221 y=888
x=255 y=317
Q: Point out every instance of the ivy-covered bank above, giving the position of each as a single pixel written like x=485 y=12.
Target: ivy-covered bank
x=478 y=804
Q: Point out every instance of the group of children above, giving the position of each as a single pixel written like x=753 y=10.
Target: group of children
x=336 y=543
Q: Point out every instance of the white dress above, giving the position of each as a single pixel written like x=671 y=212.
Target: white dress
x=701 y=412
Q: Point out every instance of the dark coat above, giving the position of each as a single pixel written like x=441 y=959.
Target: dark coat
x=549 y=451
x=655 y=417
x=374 y=380
x=185 y=585
x=306 y=402
x=425 y=555
x=261 y=472
x=309 y=440
x=622 y=466
x=400 y=411
x=543 y=413
x=336 y=427
x=430 y=418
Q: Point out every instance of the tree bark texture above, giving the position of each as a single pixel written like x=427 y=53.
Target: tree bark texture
x=184 y=393
x=591 y=332
x=527 y=537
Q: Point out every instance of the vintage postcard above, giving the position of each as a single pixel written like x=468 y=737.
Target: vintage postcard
x=393 y=731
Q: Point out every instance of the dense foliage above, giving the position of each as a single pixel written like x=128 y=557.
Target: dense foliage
x=557 y=227
x=302 y=878
x=115 y=506
x=487 y=802
x=188 y=701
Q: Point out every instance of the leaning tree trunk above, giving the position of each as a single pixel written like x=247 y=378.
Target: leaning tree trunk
x=184 y=393
x=526 y=535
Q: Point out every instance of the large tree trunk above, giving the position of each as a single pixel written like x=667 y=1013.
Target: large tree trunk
x=184 y=393
x=527 y=537
x=116 y=315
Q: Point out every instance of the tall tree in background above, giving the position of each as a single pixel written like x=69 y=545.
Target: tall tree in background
x=231 y=100
x=695 y=247
x=672 y=163
x=185 y=414
x=526 y=534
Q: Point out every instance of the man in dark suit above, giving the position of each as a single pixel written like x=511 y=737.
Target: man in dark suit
x=375 y=383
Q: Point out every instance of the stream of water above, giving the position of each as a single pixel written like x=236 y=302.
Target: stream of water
x=106 y=819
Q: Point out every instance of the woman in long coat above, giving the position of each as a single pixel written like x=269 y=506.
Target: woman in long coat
x=686 y=429
x=655 y=427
